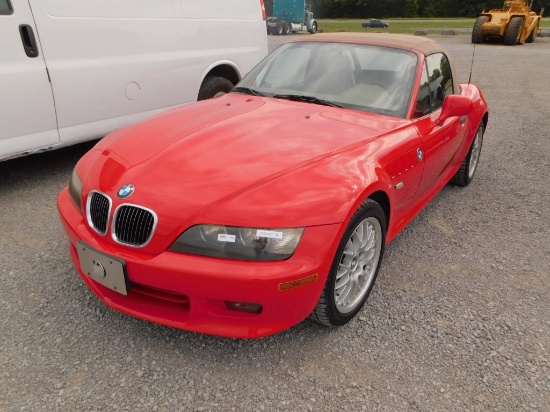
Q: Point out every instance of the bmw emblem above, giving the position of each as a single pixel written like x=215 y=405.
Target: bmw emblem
x=125 y=191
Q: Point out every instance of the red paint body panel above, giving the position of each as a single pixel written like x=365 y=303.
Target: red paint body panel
x=208 y=282
x=257 y=162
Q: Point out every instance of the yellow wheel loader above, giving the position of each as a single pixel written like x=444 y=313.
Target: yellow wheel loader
x=514 y=24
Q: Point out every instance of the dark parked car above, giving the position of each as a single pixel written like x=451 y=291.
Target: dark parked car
x=374 y=23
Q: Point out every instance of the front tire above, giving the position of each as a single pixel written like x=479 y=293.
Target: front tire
x=511 y=38
x=469 y=165
x=214 y=86
x=477 y=36
x=355 y=267
x=313 y=29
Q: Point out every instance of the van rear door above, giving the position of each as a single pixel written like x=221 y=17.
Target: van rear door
x=27 y=111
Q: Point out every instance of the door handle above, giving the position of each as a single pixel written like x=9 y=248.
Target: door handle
x=463 y=119
x=28 y=39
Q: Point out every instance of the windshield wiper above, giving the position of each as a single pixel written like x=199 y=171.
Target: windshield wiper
x=307 y=99
x=247 y=90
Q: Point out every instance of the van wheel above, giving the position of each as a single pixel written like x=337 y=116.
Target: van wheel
x=214 y=86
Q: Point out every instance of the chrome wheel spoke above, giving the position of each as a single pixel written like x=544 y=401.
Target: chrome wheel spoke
x=342 y=277
x=474 y=155
x=358 y=265
x=344 y=292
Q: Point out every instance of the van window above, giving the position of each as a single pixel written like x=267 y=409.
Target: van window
x=5 y=7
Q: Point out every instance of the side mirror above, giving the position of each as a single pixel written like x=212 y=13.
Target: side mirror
x=454 y=105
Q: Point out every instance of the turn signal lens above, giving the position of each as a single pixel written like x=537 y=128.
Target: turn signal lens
x=75 y=190
x=297 y=283
x=244 y=306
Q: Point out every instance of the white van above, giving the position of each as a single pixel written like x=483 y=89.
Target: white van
x=74 y=70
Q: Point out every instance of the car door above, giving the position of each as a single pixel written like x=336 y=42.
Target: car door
x=27 y=111
x=440 y=142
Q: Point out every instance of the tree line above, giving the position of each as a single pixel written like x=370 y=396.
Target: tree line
x=361 y=9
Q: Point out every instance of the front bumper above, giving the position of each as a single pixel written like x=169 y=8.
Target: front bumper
x=189 y=292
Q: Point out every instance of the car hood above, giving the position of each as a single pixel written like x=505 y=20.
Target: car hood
x=190 y=159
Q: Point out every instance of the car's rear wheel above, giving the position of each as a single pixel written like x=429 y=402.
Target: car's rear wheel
x=355 y=267
x=469 y=166
x=214 y=86
x=279 y=29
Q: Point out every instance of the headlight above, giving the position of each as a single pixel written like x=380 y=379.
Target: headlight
x=239 y=243
x=75 y=190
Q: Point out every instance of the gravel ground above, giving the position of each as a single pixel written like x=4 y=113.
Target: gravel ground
x=459 y=319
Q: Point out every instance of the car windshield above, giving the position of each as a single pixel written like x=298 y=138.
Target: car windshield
x=367 y=78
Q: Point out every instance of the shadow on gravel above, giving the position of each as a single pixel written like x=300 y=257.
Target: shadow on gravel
x=41 y=166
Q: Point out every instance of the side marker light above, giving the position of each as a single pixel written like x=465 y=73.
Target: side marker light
x=297 y=283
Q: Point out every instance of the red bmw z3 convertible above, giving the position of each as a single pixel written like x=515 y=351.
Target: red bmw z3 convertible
x=243 y=215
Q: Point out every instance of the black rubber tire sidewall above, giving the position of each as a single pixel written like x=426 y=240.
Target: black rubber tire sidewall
x=313 y=28
x=286 y=29
x=461 y=178
x=213 y=85
x=477 y=38
x=532 y=35
x=512 y=31
x=368 y=209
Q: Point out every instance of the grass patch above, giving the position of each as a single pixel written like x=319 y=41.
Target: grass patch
x=405 y=26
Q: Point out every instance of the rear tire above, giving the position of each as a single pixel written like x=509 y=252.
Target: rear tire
x=477 y=36
x=279 y=29
x=469 y=165
x=355 y=267
x=286 y=28
x=511 y=38
x=532 y=35
x=214 y=86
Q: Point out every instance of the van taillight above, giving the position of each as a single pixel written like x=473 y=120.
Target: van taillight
x=264 y=16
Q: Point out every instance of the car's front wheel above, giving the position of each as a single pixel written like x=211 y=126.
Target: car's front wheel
x=355 y=267
x=469 y=165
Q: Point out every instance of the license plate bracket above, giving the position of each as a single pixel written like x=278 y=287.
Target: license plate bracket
x=104 y=269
